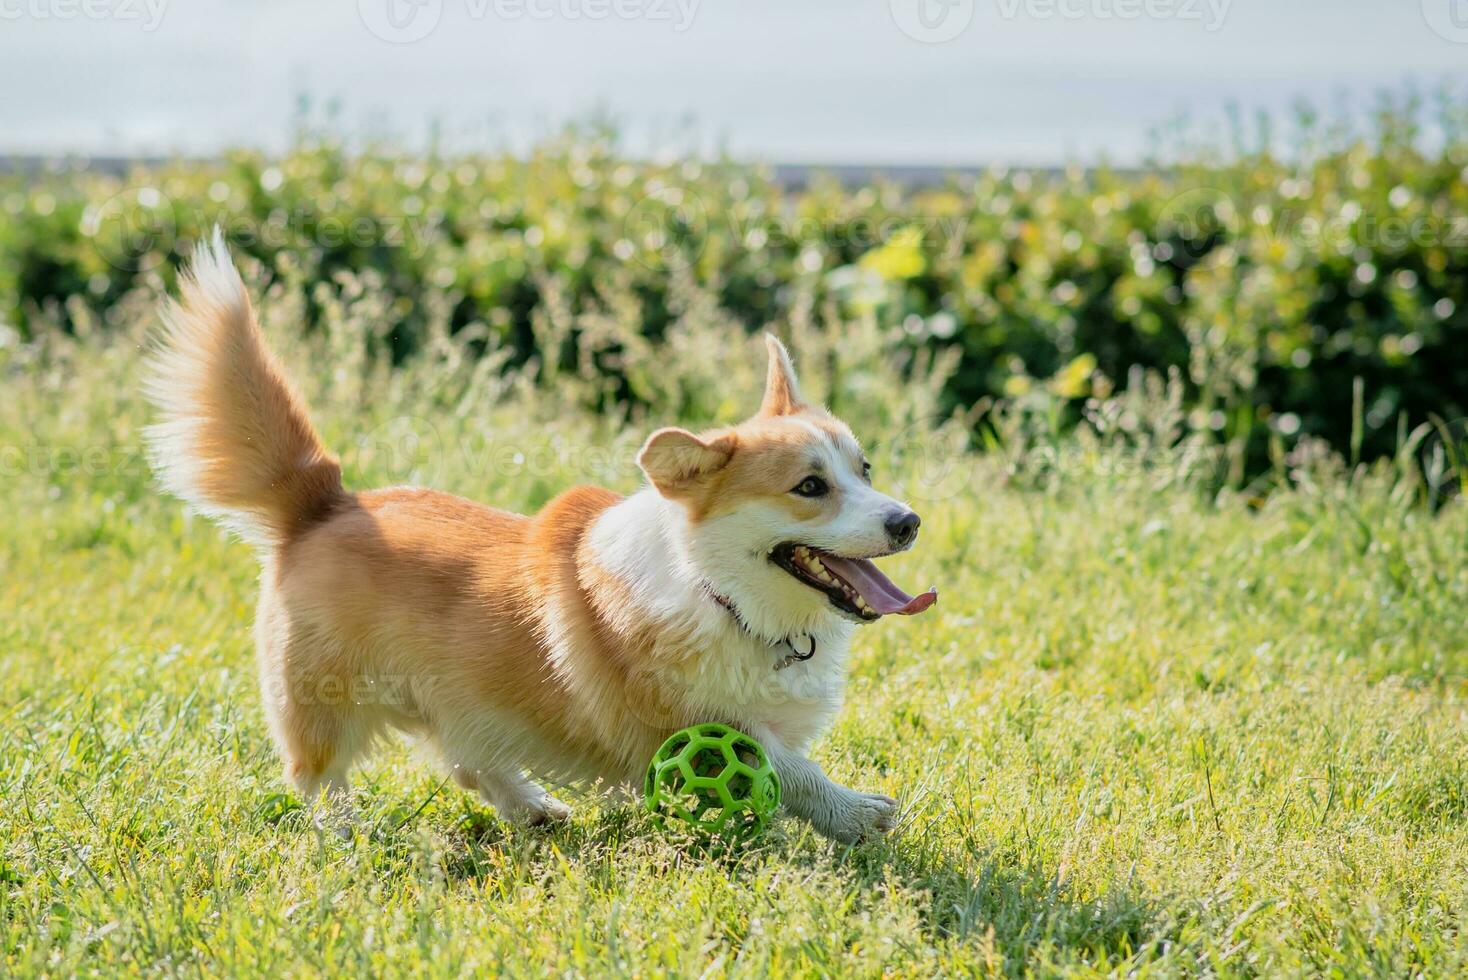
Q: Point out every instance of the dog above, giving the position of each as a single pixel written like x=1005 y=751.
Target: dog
x=565 y=645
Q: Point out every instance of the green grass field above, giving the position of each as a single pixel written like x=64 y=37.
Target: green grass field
x=1149 y=729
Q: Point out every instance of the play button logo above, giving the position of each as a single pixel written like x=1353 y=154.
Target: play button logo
x=932 y=21
x=1447 y=18
x=400 y=21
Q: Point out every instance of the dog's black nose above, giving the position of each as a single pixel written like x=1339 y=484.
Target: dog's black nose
x=902 y=527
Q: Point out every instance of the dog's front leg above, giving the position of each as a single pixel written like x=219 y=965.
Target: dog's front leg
x=840 y=813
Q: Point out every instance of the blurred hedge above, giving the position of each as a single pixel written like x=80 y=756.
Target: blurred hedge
x=1273 y=277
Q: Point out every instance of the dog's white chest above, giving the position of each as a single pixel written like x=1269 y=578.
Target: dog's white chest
x=746 y=683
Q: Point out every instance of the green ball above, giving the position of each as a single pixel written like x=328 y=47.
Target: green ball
x=714 y=780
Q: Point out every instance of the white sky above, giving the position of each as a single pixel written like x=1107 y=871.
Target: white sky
x=1031 y=81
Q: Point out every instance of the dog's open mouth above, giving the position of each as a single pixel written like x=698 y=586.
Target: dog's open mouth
x=854 y=585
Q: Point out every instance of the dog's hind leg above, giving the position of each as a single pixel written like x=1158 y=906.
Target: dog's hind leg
x=328 y=793
x=515 y=797
x=318 y=749
x=313 y=721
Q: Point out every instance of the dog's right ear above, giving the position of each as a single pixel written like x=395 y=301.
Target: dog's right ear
x=675 y=460
x=782 y=391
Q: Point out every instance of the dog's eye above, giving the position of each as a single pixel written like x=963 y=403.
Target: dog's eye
x=811 y=486
x=866 y=470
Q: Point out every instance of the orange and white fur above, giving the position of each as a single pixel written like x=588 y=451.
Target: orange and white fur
x=564 y=646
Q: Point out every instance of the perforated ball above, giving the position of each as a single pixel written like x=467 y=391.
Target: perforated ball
x=714 y=780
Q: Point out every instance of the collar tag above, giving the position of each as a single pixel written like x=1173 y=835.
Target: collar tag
x=802 y=648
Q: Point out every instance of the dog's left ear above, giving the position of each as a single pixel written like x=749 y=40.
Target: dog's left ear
x=676 y=460
x=782 y=391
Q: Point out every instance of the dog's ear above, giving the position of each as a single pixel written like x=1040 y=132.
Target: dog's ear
x=782 y=391
x=675 y=460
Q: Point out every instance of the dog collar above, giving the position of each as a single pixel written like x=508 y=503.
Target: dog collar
x=801 y=647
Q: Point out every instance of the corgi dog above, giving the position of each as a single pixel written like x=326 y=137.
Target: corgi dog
x=562 y=647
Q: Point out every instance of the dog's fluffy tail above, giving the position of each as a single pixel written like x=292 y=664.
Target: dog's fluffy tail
x=233 y=438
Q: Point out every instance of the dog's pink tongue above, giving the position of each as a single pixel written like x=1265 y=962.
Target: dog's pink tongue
x=877 y=589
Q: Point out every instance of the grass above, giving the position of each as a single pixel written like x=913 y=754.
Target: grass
x=1147 y=730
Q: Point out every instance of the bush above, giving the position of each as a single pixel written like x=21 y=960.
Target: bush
x=1315 y=291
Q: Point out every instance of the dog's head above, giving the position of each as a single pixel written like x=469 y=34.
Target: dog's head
x=781 y=517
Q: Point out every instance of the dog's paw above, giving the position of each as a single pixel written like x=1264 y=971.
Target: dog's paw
x=861 y=817
x=542 y=810
x=338 y=820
